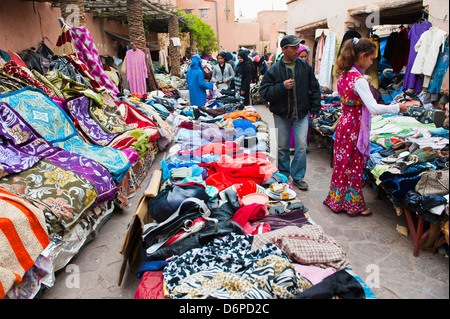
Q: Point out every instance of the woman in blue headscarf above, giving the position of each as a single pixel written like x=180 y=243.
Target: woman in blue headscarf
x=230 y=59
x=196 y=82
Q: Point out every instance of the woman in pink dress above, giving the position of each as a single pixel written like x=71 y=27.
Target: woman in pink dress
x=352 y=145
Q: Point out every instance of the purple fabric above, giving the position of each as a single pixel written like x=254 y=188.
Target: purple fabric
x=363 y=143
x=78 y=109
x=88 y=54
x=414 y=81
x=91 y=170
x=21 y=147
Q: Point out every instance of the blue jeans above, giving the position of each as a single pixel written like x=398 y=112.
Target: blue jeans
x=297 y=168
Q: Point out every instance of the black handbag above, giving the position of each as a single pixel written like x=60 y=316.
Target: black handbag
x=163 y=205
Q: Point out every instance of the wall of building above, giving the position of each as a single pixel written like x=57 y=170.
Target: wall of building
x=222 y=25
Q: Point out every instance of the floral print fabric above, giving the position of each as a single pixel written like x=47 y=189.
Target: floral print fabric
x=63 y=196
x=346 y=181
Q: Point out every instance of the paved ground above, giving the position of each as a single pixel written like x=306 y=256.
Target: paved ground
x=378 y=253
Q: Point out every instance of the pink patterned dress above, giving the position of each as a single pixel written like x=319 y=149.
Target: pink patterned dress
x=136 y=71
x=346 y=181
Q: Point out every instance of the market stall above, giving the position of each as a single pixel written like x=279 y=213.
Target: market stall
x=409 y=152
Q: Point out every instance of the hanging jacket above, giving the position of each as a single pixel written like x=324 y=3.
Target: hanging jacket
x=196 y=82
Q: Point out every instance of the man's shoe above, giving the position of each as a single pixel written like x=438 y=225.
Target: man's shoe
x=301 y=184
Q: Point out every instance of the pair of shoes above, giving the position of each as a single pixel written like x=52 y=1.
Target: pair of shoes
x=364 y=213
x=422 y=155
x=396 y=148
x=396 y=157
x=301 y=184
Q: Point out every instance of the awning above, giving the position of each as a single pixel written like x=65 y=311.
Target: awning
x=127 y=38
x=393 y=12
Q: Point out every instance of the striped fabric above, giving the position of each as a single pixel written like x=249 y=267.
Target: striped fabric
x=23 y=236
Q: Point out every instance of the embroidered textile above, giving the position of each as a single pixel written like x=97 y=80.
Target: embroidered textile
x=22 y=147
x=56 y=127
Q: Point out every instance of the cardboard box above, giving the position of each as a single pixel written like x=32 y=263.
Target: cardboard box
x=131 y=248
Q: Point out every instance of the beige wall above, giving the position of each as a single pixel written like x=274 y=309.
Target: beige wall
x=225 y=26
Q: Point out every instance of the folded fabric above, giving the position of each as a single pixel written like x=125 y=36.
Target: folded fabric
x=249 y=213
x=24 y=237
x=23 y=147
x=78 y=108
x=314 y=274
x=56 y=127
x=223 y=177
x=308 y=245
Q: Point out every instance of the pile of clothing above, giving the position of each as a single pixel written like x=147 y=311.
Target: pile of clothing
x=226 y=224
x=409 y=160
x=72 y=149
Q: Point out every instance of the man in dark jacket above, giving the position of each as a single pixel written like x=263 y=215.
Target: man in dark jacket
x=293 y=93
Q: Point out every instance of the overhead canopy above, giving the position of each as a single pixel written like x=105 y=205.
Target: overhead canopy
x=393 y=12
x=127 y=38
x=156 y=15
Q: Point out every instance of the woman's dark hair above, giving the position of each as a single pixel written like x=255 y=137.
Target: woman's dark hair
x=223 y=55
x=350 y=52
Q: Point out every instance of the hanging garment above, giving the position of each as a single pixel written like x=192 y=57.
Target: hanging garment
x=88 y=54
x=64 y=44
x=440 y=70
x=427 y=52
x=401 y=51
x=327 y=62
x=319 y=52
x=151 y=79
x=414 y=81
x=136 y=71
x=389 y=48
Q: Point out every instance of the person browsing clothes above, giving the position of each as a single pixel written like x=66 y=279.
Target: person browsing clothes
x=352 y=144
x=292 y=91
x=197 y=85
x=223 y=72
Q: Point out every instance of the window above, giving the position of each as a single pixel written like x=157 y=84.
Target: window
x=188 y=11
x=203 y=13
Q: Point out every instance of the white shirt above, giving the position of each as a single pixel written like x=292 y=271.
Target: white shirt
x=363 y=90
